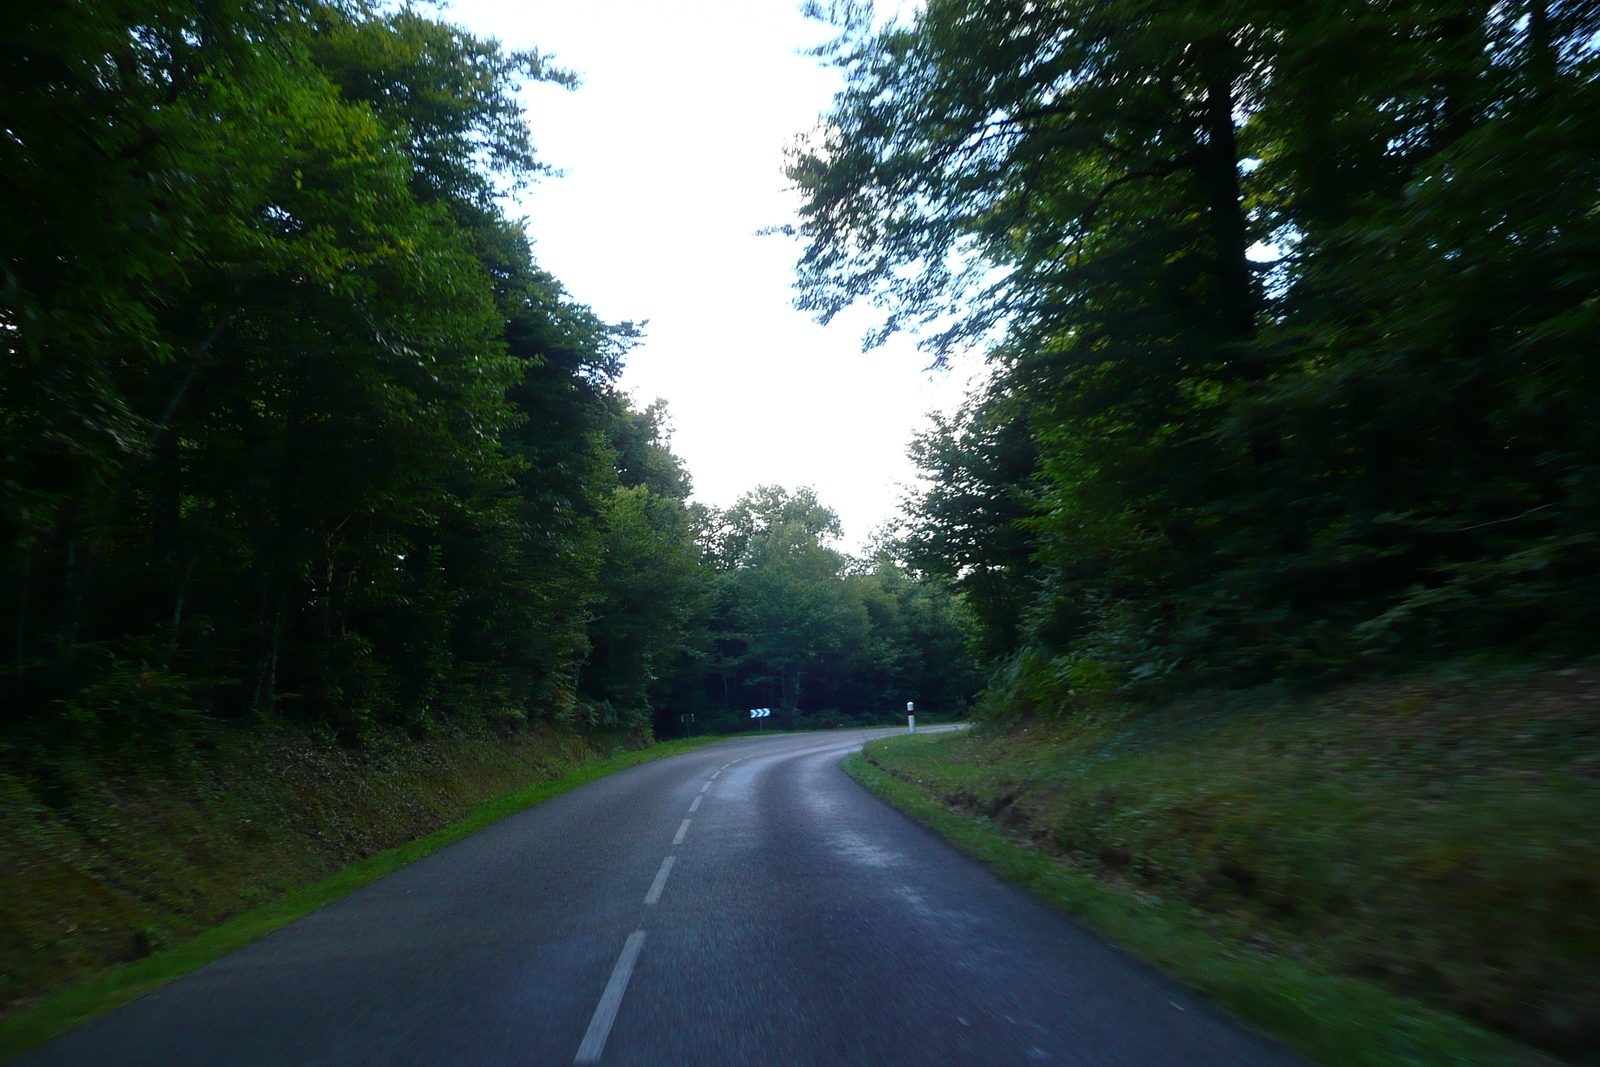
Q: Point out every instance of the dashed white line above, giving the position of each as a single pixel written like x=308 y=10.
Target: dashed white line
x=605 y=1013
x=660 y=883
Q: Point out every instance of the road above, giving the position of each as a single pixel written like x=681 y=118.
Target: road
x=744 y=904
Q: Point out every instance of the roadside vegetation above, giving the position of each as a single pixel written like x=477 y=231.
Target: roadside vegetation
x=292 y=424
x=1290 y=314
x=129 y=876
x=322 y=515
x=1431 y=838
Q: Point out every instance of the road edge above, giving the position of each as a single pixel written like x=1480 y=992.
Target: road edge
x=72 y=1008
x=1339 y=1021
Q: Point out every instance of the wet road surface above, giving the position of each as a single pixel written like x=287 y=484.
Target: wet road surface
x=744 y=904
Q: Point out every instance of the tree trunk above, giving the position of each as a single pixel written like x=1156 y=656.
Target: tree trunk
x=20 y=671
x=1541 y=48
x=1219 y=178
x=267 y=662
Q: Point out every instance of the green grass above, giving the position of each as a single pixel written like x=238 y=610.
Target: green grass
x=72 y=1008
x=1336 y=1019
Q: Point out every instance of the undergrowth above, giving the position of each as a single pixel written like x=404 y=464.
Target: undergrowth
x=122 y=869
x=1432 y=840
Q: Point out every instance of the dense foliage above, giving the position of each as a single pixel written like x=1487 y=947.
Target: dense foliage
x=292 y=424
x=1291 y=309
x=821 y=638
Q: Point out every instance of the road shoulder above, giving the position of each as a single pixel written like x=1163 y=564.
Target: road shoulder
x=1337 y=1020
x=106 y=992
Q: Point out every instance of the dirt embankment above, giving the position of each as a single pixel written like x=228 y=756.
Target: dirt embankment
x=1438 y=835
x=105 y=859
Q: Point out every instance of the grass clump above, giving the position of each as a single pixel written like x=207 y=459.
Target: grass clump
x=1419 y=858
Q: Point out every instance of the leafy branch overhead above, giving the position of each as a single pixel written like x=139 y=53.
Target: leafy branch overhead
x=1288 y=306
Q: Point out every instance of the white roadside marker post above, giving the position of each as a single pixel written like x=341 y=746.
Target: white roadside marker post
x=911 y=718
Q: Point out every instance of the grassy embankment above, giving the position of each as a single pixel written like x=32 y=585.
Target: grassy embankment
x=1391 y=873
x=119 y=873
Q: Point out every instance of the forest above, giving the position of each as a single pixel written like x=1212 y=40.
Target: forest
x=1290 y=312
x=1265 y=556
x=1276 y=514
x=295 y=427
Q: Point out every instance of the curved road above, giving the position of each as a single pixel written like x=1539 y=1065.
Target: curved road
x=743 y=904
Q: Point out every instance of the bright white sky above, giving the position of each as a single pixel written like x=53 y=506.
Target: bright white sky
x=673 y=153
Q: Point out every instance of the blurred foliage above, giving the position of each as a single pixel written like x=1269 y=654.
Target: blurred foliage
x=821 y=638
x=1291 y=313
x=291 y=421
x=292 y=424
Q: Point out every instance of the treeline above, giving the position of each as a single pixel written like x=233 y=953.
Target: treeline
x=822 y=638
x=1292 y=313
x=292 y=423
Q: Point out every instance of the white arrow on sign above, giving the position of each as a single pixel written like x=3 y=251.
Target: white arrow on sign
x=760 y=713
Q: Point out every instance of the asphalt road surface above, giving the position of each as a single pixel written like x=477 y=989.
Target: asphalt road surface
x=745 y=904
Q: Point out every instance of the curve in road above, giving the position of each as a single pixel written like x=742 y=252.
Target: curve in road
x=747 y=903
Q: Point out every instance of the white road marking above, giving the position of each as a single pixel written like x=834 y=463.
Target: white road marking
x=660 y=883
x=714 y=774
x=677 y=839
x=605 y=1013
x=705 y=787
x=696 y=805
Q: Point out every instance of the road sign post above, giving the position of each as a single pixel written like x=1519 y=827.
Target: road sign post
x=911 y=718
x=758 y=714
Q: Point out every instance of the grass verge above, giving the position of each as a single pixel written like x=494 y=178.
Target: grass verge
x=1338 y=1020
x=76 y=1006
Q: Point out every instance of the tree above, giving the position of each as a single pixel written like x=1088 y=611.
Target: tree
x=790 y=611
x=649 y=623
x=966 y=527
x=1246 y=465
x=823 y=638
x=292 y=422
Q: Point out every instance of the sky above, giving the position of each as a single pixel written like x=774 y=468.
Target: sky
x=672 y=153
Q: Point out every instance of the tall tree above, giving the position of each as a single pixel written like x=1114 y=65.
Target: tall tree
x=1194 y=236
x=648 y=625
x=291 y=421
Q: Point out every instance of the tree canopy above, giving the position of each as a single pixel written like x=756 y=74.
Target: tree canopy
x=1290 y=311
x=294 y=425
